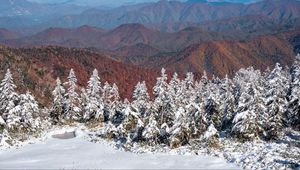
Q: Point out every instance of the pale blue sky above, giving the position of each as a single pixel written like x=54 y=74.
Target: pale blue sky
x=120 y=2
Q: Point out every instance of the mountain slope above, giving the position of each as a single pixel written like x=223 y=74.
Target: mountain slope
x=36 y=69
x=226 y=57
x=7 y=34
x=124 y=36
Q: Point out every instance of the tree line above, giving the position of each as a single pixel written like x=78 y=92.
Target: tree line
x=251 y=105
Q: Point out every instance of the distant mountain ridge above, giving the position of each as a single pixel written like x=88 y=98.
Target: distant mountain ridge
x=126 y=35
x=168 y=12
x=20 y=14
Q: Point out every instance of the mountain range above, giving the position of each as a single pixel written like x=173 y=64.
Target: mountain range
x=171 y=12
x=135 y=41
x=22 y=13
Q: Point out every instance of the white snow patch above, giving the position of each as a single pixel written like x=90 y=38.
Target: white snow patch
x=78 y=153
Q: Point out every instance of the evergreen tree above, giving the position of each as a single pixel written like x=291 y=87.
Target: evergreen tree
x=29 y=111
x=211 y=104
x=201 y=89
x=141 y=98
x=58 y=105
x=94 y=104
x=151 y=132
x=197 y=117
x=8 y=96
x=115 y=106
x=294 y=101
x=73 y=110
x=248 y=120
x=277 y=85
x=107 y=100
x=181 y=131
x=188 y=89
x=175 y=97
x=245 y=121
x=227 y=102
x=132 y=123
x=161 y=102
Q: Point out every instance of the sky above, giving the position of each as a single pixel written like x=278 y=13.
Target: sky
x=114 y=3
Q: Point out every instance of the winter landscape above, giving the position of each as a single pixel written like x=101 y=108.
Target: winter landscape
x=149 y=84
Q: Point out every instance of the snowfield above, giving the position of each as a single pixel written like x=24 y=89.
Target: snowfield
x=78 y=153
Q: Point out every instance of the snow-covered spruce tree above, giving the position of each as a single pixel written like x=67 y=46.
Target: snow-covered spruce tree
x=293 y=114
x=277 y=85
x=181 y=131
x=245 y=121
x=248 y=121
x=110 y=96
x=132 y=123
x=188 y=89
x=151 y=131
x=174 y=95
x=227 y=102
x=107 y=100
x=197 y=118
x=201 y=88
x=73 y=110
x=94 y=104
x=115 y=106
x=58 y=104
x=141 y=98
x=161 y=102
x=211 y=103
x=8 y=96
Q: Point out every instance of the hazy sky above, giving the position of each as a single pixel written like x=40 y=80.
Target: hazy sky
x=120 y=2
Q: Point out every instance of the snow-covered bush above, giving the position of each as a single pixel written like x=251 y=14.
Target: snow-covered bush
x=211 y=136
x=20 y=116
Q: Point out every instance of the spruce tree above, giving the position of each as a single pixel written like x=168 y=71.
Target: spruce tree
x=28 y=110
x=293 y=114
x=151 y=132
x=277 y=85
x=227 y=102
x=58 y=104
x=245 y=121
x=107 y=100
x=8 y=96
x=248 y=120
x=115 y=102
x=141 y=98
x=94 y=106
x=73 y=110
x=181 y=132
x=161 y=102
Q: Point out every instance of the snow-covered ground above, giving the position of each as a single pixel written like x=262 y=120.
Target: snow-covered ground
x=78 y=153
